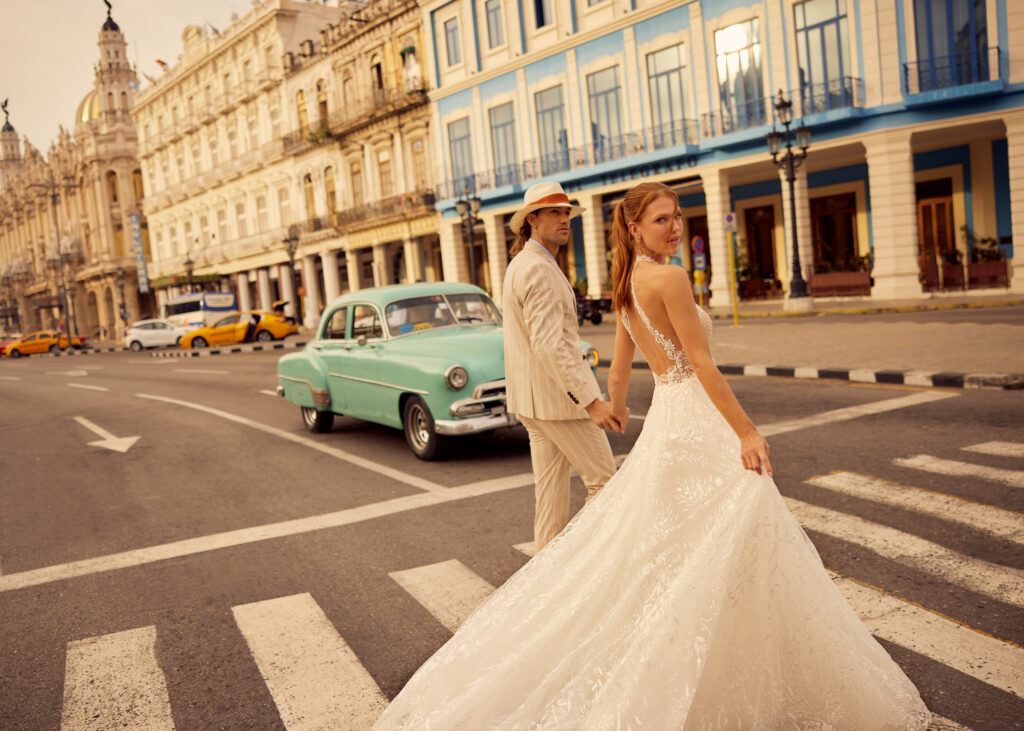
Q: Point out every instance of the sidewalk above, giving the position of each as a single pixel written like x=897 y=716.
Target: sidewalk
x=832 y=341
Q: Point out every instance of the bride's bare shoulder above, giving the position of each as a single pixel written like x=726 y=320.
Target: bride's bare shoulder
x=668 y=277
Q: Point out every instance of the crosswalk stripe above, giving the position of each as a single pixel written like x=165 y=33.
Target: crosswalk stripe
x=985 y=518
x=975 y=654
x=953 y=468
x=529 y=548
x=853 y=412
x=314 y=677
x=999 y=449
x=113 y=681
x=1002 y=583
x=449 y=590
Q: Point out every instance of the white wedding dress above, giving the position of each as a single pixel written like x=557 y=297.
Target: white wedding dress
x=684 y=596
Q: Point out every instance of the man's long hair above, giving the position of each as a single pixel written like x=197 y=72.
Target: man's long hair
x=521 y=238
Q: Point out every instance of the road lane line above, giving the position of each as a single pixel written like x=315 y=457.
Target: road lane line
x=317 y=682
x=366 y=464
x=449 y=590
x=9 y=378
x=201 y=370
x=908 y=625
x=998 y=449
x=953 y=468
x=978 y=516
x=1002 y=583
x=267 y=391
x=87 y=387
x=853 y=412
x=113 y=681
x=529 y=548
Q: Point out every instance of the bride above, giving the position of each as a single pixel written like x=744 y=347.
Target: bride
x=684 y=595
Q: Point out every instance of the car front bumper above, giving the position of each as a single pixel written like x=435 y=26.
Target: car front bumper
x=474 y=424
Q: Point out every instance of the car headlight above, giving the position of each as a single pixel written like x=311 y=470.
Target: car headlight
x=591 y=357
x=456 y=377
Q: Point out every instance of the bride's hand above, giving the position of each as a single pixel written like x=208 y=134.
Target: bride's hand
x=622 y=415
x=754 y=453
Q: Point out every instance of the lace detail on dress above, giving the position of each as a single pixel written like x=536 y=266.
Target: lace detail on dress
x=681 y=367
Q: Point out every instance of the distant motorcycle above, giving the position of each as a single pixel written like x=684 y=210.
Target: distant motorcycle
x=591 y=308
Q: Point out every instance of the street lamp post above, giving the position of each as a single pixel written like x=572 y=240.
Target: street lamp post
x=52 y=186
x=291 y=245
x=467 y=208
x=189 y=267
x=789 y=162
x=119 y=280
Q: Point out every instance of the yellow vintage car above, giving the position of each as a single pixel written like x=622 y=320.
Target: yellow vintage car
x=240 y=327
x=42 y=341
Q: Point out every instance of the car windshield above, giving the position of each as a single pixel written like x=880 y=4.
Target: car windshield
x=416 y=314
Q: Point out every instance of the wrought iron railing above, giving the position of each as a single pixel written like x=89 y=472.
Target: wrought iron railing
x=958 y=69
x=734 y=117
x=840 y=93
x=405 y=203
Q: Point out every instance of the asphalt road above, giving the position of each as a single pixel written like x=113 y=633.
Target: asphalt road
x=164 y=575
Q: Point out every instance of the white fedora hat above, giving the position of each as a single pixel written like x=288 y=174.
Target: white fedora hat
x=542 y=195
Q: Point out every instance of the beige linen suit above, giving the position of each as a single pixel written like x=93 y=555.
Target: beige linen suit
x=548 y=384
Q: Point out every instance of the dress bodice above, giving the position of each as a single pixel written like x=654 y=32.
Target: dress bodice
x=680 y=368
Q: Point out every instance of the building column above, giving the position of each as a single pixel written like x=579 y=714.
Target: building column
x=413 y=262
x=595 y=250
x=242 y=285
x=1015 y=154
x=311 y=283
x=352 y=267
x=453 y=254
x=716 y=193
x=398 y=158
x=803 y=230
x=263 y=284
x=381 y=269
x=287 y=283
x=332 y=283
x=497 y=254
x=893 y=215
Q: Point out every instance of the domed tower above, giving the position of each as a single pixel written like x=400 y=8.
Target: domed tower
x=11 y=162
x=115 y=78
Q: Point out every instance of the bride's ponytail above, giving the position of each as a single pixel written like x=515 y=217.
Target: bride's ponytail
x=622 y=259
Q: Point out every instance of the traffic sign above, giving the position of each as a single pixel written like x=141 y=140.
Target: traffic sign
x=730 y=221
x=700 y=262
x=697 y=244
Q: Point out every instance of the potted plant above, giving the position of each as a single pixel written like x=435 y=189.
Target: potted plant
x=986 y=266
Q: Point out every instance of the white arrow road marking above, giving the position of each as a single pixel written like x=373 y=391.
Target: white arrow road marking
x=9 y=378
x=87 y=387
x=109 y=441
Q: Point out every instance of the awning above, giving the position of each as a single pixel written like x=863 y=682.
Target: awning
x=183 y=280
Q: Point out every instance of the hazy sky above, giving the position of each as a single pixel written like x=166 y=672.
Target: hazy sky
x=48 y=49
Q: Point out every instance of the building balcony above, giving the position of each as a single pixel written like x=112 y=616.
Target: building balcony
x=843 y=93
x=393 y=208
x=303 y=140
x=944 y=78
x=735 y=117
x=381 y=104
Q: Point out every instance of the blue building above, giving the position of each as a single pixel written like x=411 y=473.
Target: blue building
x=913 y=182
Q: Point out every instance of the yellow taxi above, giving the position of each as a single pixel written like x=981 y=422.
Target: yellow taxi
x=42 y=341
x=241 y=327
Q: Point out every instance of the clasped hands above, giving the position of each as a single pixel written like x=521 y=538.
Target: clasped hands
x=602 y=414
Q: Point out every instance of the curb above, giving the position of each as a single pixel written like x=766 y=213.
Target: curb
x=84 y=351
x=926 y=379
x=871 y=310
x=254 y=348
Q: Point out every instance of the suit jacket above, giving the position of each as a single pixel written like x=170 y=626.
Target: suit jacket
x=545 y=374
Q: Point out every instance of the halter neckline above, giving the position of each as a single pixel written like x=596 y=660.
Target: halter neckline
x=643 y=257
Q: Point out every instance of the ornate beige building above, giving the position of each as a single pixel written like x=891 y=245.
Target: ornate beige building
x=69 y=220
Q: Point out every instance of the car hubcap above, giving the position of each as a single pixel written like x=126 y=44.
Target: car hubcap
x=419 y=430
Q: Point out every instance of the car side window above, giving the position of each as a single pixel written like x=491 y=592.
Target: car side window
x=30 y=338
x=335 y=328
x=365 y=321
x=229 y=320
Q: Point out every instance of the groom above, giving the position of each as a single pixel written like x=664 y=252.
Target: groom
x=548 y=383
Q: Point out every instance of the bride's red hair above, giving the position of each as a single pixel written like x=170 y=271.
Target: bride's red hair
x=630 y=209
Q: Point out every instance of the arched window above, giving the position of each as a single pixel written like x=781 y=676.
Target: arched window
x=356 y=173
x=300 y=106
x=110 y=101
x=348 y=95
x=137 y=185
x=233 y=143
x=307 y=186
x=112 y=185
x=332 y=198
x=376 y=73
x=321 y=101
x=124 y=101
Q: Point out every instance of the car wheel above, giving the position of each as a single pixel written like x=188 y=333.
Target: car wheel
x=135 y=345
x=264 y=336
x=418 y=424
x=596 y=318
x=199 y=342
x=54 y=348
x=15 y=353
x=318 y=422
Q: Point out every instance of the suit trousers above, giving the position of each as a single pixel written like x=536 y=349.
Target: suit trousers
x=554 y=445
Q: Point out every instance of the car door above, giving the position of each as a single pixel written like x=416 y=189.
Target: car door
x=363 y=363
x=161 y=333
x=223 y=331
x=334 y=345
x=29 y=344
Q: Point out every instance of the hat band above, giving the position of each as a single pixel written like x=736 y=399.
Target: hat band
x=551 y=200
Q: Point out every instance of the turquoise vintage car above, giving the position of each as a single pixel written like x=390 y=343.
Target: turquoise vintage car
x=425 y=358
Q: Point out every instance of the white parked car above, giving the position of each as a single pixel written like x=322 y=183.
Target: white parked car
x=153 y=334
